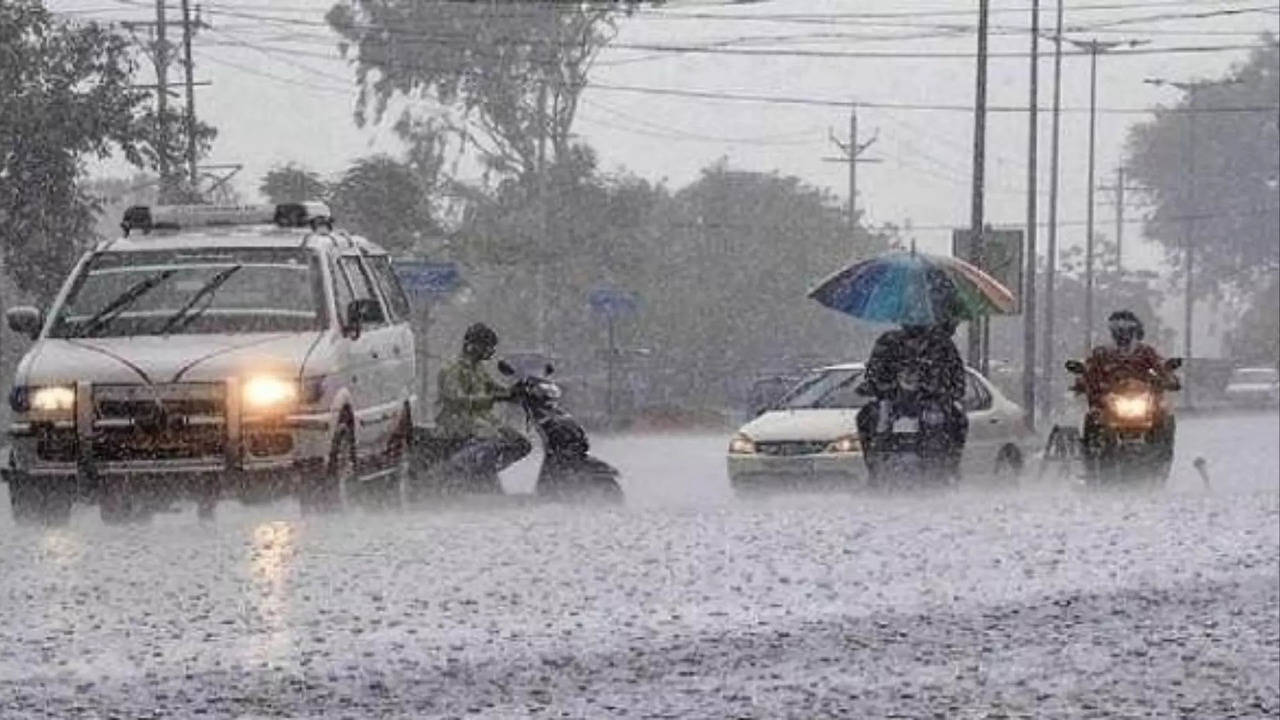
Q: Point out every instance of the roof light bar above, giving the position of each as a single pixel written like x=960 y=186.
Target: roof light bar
x=178 y=217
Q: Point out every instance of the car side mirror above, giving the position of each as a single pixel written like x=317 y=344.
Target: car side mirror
x=1075 y=367
x=549 y=369
x=25 y=319
x=505 y=368
x=1173 y=363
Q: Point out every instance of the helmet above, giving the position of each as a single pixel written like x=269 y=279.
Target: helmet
x=479 y=336
x=1125 y=327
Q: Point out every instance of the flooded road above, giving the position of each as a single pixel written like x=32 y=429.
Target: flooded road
x=1044 y=601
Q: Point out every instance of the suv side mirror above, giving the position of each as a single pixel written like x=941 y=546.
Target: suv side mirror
x=361 y=312
x=25 y=319
x=1075 y=367
x=1173 y=363
x=505 y=368
x=549 y=370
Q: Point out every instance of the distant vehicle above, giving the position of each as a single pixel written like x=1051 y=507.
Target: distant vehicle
x=241 y=349
x=809 y=437
x=1255 y=387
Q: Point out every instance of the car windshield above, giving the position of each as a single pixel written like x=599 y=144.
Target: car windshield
x=1260 y=376
x=826 y=389
x=215 y=290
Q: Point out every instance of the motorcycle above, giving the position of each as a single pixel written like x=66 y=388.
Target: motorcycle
x=1128 y=435
x=908 y=438
x=569 y=471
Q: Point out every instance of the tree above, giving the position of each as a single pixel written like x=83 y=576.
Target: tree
x=291 y=183
x=1231 y=197
x=1256 y=335
x=68 y=95
x=514 y=69
x=382 y=198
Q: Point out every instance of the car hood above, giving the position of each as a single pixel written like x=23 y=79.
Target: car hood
x=815 y=424
x=157 y=359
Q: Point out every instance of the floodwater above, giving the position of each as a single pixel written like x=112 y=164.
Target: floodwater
x=1044 y=601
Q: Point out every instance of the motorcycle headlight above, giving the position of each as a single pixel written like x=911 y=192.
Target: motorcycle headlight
x=54 y=398
x=846 y=444
x=1131 y=406
x=742 y=445
x=270 y=393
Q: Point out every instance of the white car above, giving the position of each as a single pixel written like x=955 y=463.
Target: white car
x=247 y=349
x=810 y=436
x=1254 y=386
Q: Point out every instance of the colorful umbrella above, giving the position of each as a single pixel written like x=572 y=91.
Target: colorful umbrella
x=910 y=288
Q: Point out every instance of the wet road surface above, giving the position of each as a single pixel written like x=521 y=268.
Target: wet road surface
x=1044 y=601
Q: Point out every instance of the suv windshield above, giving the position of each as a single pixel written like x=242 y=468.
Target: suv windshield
x=826 y=389
x=213 y=290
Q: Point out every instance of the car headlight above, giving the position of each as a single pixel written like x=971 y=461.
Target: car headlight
x=270 y=393
x=742 y=445
x=1131 y=407
x=52 y=398
x=846 y=444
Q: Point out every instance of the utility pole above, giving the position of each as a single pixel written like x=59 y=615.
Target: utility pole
x=1119 y=189
x=1051 y=253
x=1192 y=90
x=193 y=172
x=852 y=155
x=158 y=50
x=978 y=328
x=1029 y=276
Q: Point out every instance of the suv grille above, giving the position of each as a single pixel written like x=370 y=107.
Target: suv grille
x=183 y=421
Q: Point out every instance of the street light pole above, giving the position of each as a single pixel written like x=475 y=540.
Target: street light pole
x=1093 y=47
x=977 y=327
x=1051 y=252
x=1029 y=281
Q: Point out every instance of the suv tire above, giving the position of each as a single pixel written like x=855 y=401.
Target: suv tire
x=324 y=493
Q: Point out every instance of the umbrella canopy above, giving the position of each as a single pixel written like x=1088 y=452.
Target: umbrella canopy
x=910 y=288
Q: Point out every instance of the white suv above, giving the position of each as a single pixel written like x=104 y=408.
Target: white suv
x=242 y=350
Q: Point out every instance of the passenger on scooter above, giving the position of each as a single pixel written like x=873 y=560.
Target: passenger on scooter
x=1128 y=358
x=466 y=397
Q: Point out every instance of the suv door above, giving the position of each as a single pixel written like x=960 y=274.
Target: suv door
x=403 y=360
x=371 y=388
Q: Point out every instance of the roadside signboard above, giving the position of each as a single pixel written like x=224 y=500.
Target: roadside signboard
x=425 y=278
x=1002 y=257
x=612 y=302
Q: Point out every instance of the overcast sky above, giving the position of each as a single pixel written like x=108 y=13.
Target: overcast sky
x=282 y=93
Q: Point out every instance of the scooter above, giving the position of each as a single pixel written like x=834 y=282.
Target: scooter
x=907 y=438
x=569 y=471
x=1133 y=429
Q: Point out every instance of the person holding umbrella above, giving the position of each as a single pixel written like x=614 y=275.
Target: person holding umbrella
x=914 y=373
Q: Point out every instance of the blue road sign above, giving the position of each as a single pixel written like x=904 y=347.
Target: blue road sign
x=423 y=277
x=612 y=302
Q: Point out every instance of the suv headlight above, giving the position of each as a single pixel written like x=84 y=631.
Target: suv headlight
x=742 y=445
x=846 y=444
x=270 y=393
x=51 y=398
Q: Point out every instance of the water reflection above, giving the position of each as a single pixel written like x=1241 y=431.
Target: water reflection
x=61 y=548
x=271 y=561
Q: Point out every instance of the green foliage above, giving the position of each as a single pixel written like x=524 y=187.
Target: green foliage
x=1222 y=170
x=67 y=96
x=513 y=70
x=383 y=198
x=1255 y=339
x=292 y=183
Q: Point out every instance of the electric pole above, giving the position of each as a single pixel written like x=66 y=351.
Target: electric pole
x=852 y=155
x=1029 y=276
x=978 y=327
x=188 y=30
x=1119 y=189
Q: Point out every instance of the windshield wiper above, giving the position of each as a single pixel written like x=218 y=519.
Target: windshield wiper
x=181 y=318
x=122 y=301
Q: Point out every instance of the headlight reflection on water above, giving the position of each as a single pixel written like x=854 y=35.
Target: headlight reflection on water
x=273 y=550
